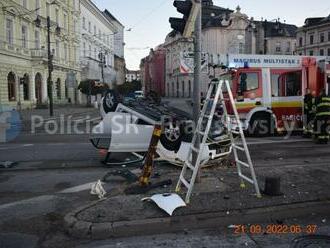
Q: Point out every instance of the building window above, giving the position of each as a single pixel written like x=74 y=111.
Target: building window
x=24 y=3
x=58 y=89
x=311 y=53
x=328 y=36
x=328 y=51
x=100 y=34
x=65 y=52
x=47 y=9
x=38 y=7
x=322 y=38
x=288 y=47
x=57 y=50
x=278 y=47
x=95 y=30
x=57 y=16
x=9 y=31
x=24 y=37
x=240 y=48
x=300 y=41
x=90 y=51
x=189 y=88
x=37 y=39
x=311 y=39
x=321 y=52
x=65 y=21
x=84 y=23
x=11 y=80
x=89 y=27
x=26 y=87
x=84 y=49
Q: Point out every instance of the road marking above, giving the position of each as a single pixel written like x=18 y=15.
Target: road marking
x=32 y=200
x=262 y=142
x=78 y=188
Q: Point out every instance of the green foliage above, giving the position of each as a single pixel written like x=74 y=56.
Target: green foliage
x=129 y=87
x=90 y=87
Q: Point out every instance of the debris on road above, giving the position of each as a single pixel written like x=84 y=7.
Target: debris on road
x=167 y=202
x=7 y=164
x=97 y=189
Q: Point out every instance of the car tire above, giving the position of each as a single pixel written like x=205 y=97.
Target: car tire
x=110 y=101
x=171 y=137
x=261 y=125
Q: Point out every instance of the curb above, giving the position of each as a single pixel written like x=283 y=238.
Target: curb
x=97 y=231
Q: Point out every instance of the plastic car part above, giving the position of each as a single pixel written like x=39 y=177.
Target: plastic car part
x=167 y=202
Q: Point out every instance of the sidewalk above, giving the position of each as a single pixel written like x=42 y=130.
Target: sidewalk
x=218 y=201
x=60 y=112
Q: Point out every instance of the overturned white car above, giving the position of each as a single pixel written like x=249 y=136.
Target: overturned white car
x=128 y=128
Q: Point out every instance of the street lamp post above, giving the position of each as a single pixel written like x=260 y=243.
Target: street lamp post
x=50 y=70
x=50 y=62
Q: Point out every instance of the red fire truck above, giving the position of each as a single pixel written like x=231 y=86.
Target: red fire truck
x=269 y=89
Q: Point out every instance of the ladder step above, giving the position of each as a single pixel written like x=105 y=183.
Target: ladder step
x=201 y=133
x=235 y=132
x=185 y=182
x=246 y=178
x=243 y=163
x=195 y=149
x=239 y=148
x=189 y=165
x=206 y=116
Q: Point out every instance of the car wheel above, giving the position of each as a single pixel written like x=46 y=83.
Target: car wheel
x=171 y=137
x=261 y=125
x=110 y=101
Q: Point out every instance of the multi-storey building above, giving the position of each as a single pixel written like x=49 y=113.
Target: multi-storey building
x=132 y=75
x=120 y=65
x=23 y=52
x=224 y=31
x=314 y=37
x=152 y=70
x=97 y=44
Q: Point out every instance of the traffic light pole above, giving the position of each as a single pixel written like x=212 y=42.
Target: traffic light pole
x=50 y=69
x=197 y=71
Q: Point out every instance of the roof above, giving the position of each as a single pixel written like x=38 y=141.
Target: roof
x=108 y=14
x=278 y=29
x=314 y=21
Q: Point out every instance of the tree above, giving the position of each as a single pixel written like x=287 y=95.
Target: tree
x=92 y=88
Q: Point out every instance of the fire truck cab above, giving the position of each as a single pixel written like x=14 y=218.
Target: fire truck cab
x=269 y=89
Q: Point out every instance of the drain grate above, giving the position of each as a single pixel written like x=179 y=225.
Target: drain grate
x=311 y=241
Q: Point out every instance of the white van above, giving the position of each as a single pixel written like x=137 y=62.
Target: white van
x=139 y=94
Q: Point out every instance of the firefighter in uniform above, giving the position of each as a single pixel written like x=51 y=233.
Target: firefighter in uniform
x=322 y=120
x=309 y=112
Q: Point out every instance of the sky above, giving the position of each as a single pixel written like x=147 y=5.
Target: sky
x=148 y=19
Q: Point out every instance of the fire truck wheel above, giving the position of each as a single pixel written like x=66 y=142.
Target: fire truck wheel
x=172 y=136
x=110 y=101
x=260 y=125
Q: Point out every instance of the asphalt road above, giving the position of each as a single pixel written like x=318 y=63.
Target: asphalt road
x=54 y=174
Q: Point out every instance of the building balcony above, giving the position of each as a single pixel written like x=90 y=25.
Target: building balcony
x=13 y=49
x=39 y=54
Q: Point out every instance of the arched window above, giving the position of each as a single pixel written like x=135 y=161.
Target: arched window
x=26 y=87
x=189 y=88
x=11 y=86
x=58 y=89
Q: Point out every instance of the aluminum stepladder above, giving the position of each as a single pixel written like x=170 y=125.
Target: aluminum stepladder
x=217 y=86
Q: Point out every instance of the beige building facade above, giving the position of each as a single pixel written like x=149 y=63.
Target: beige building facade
x=23 y=52
x=314 y=37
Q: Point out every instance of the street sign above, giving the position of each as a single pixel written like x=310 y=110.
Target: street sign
x=71 y=80
x=187 y=62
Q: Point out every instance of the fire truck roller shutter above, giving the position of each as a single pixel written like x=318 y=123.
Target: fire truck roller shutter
x=262 y=124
